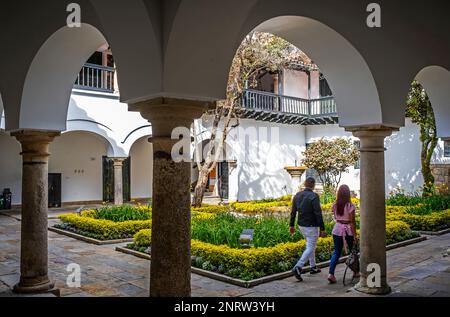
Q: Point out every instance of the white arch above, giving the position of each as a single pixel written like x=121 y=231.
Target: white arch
x=94 y=129
x=50 y=78
x=205 y=71
x=346 y=71
x=436 y=81
x=133 y=34
x=2 y=115
x=134 y=136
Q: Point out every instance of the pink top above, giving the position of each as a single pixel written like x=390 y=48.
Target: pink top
x=341 y=229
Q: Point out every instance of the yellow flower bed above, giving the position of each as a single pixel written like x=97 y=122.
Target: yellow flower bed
x=394 y=209
x=210 y=209
x=105 y=228
x=248 y=263
x=431 y=222
x=255 y=259
x=259 y=208
x=143 y=238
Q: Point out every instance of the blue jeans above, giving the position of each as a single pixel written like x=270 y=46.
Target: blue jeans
x=338 y=246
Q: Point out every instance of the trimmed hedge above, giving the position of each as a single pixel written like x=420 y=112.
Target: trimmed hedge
x=253 y=208
x=143 y=238
x=210 y=209
x=106 y=229
x=433 y=222
x=397 y=231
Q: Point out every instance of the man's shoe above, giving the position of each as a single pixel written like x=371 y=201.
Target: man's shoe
x=315 y=270
x=298 y=273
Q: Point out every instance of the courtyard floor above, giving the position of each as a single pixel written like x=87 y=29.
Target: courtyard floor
x=421 y=269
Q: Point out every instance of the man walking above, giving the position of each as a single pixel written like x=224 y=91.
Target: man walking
x=307 y=204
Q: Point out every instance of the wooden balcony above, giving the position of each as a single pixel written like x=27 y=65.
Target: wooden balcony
x=96 y=78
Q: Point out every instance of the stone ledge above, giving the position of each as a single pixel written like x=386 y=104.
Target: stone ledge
x=265 y=279
x=87 y=239
x=434 y=233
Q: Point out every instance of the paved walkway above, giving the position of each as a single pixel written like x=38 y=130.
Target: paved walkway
x=422 y=269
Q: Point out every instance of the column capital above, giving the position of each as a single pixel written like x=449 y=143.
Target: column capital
x=371 y=131
x=118 y=161
x=165 y=114
x=35 y=144
x=371 y=137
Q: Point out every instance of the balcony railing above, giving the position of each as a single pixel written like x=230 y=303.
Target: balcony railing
x=96 y=77
x=265 y=101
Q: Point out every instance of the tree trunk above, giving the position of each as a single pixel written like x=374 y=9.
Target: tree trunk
x=426 y=155
x=199 y=190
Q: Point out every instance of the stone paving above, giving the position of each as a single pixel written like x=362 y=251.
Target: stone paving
x=422 y=269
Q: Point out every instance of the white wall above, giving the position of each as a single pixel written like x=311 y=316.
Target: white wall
x=295 y=83
x=261 y=160
x=10 y=166
x=78 y=157
x=402 y=156
x=402 y=159
x=316 y=132
x=141 y=169
x=113 y=120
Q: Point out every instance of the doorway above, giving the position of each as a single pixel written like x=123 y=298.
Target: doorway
x=54 y=190
x=108 y=180
x=223 y=172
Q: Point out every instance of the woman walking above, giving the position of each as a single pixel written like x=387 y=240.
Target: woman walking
x=344 y=231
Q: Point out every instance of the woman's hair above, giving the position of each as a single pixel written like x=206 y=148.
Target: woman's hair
x=343 y=197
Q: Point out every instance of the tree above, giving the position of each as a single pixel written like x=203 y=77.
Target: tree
x=420 y=111
x=258 y=53
x=331 y=158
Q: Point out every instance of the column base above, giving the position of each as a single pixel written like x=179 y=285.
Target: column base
x=29 y=288
x=383 y=290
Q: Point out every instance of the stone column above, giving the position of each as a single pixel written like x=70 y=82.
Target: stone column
x=373 y=210
x=118 y=179
x=170 y=271
x=34 y=243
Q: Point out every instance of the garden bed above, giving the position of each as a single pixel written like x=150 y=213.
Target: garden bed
x=261 y=280
x=215 y=245
x=87 y=239
x=107 y=225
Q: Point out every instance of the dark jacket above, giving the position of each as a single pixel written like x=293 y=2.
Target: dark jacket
x=307 y=205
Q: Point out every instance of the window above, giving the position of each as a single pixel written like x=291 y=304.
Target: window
x=324 y=88
x=446 y=148
x=358 y=163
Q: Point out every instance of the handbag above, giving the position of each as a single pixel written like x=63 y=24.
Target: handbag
x=352 y=263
